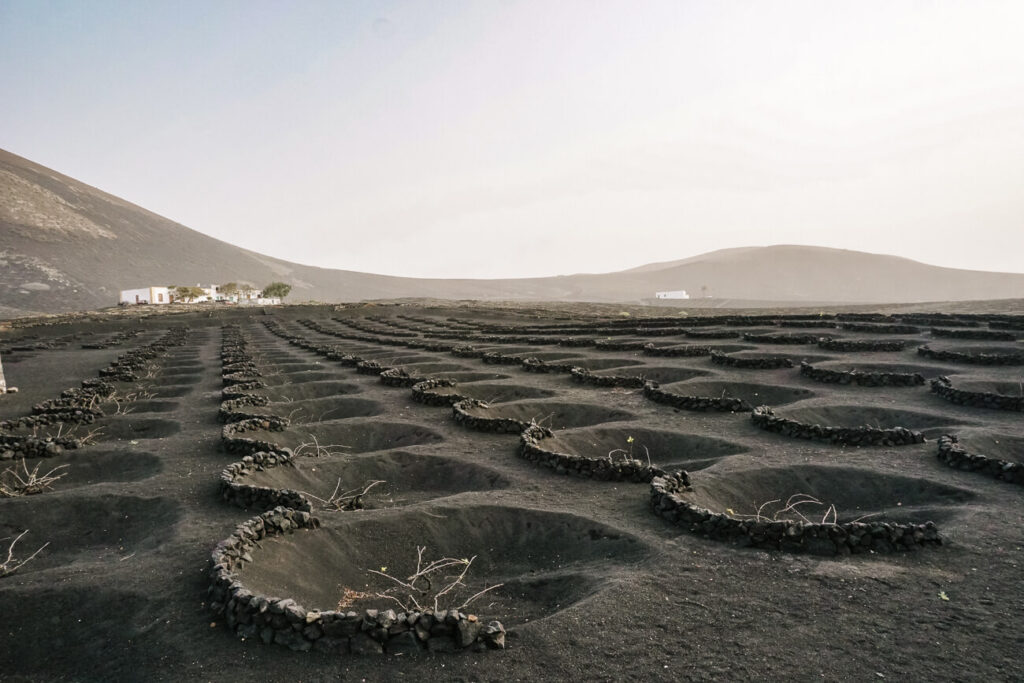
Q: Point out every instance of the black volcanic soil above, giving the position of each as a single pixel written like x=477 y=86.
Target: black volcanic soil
x=596 y=587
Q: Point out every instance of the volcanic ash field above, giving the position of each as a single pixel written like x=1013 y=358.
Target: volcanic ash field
x=507 y=494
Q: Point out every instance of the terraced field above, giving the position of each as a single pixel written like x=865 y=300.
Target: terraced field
x=678 y=498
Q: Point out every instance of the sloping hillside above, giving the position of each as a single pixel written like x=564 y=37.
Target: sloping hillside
x=67 y=246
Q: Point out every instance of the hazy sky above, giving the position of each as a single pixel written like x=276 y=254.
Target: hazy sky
x=491 y=139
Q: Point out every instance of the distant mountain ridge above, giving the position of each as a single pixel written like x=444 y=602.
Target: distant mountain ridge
x=67 y=246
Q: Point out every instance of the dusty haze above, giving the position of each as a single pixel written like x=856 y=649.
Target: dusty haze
x=450 y=139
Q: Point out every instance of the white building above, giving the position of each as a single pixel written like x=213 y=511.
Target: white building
x=146 y=295
x=247 y=295
x=677 y=294
x=165 y=295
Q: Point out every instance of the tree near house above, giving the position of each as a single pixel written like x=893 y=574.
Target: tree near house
x=278 y=289
x=188 y=294
x=228 y=289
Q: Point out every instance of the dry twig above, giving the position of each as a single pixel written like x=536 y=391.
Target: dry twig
x=11 y=564
x=317 y=451
x=418 y=588
x=345 y=500
x=15 y=483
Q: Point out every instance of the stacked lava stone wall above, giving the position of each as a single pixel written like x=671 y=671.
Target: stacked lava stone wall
x=972 y=358
x=817 y=538
x=239 y=370
x=988 y=335
x=12 y=447
x=765 y=363
x=539 y=366
x=861 y=344
x=781 y=338
x=116 y=339
x=423 y=393
x=499 y=425
x=699 y=403
x=284 y=622
x=584 y=376
x=864 y=379
x=765 y=418
x=81 y=405
x=685 y=350
x=280 y=620
x=954 y=455
x=976 y=399
x=880 y=328
x=531 y=448
x=234 y=490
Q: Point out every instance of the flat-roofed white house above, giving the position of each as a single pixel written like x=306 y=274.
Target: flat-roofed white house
x=146 y=295
x=166 y=295
x=246 y=294
x=677 y=294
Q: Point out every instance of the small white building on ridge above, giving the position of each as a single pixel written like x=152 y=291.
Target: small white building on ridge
x=146 y=295
x=677 y=294
x=166 y=295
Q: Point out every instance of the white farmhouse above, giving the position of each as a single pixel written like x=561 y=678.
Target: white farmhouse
x=146 y=295
x=248 y=295
x=165 y=295
x=677 y=294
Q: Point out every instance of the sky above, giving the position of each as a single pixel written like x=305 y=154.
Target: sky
x=503 y=138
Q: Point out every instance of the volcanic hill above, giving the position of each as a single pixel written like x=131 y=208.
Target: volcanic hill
x=67 y=246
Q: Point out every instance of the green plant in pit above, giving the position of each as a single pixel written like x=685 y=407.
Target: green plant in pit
x=627 y=455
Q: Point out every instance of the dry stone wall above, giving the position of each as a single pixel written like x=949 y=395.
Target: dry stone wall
x=864 y=379
x=280 y=620
x=765 y=418
x=988 y=335
x=855 y=345
x=781 y=338
x=653 y=392
x=972 y=358
x=532 y=447
x=683 y=351
x=976 y=399
x=954 y=455
x=668 y=502
x=762 y=363
x=283 y=622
